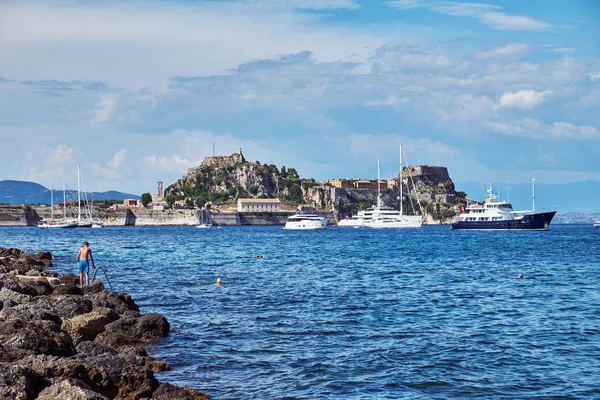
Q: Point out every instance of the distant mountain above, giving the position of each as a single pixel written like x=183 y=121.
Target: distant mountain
x=20 y=192
x=575 y=197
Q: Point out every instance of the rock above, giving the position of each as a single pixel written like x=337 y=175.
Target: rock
x=166 y=391
x=86 y=348
x=42 y=255
x=88 y=326
x=148 y=327
x=69 y=285
x=95 y=287
x=38 y=336
x=69 y=306
x=6 y=294
x=10 y=354
x=64 y=390
x=36 y=286
x=9 y=282
x=120 y=302
x=137 y=384
x=19 y=383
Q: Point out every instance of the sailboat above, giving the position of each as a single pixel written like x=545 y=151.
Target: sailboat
x=396 y=219
x=57 y=223
x=88 y=222
x=204 y=219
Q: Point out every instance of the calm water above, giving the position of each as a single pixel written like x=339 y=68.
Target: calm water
x=359 y=313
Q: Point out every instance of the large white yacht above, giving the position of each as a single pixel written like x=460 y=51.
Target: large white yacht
x=306 y=221
x=494 y=214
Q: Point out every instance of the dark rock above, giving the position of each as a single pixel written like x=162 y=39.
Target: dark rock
x=137 y=384
x=69 y=306
x=68 y=285
x=41 y=337
x=17 y=382
x=6 y=294
x=36 y=286
x=42 y=255
x=166 y=391
x=120 y=302
x=11 y=354
x=87 y=348
x=9 y=282
x=147 y=328
x=95 y=287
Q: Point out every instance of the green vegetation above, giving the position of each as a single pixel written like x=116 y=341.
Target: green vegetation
x=146 y=199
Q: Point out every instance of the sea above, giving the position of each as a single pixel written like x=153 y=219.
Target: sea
x=348 y=313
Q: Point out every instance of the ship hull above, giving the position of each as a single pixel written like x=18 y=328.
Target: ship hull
x=535 y=221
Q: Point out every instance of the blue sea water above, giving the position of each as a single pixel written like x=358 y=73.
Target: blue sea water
x=357 y=313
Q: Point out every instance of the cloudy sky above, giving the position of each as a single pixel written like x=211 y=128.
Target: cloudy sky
x=138 y=91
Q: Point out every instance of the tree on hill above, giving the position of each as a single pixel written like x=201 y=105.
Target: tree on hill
x=146 y=199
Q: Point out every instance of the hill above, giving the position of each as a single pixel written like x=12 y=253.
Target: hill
x=22 y=192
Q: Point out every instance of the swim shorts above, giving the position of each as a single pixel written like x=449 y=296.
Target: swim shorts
x=84 y=266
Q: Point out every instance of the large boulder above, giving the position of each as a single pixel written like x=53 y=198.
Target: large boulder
x=166 y=391
x=19 y=383
x=69 y=305
x=120 y=302
x=35 y=285
x=7 y=294
x=147 y=328
x=89 y=325
x=137 y=383
x=65 y=390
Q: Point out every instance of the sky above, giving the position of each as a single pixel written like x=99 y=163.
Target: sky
x=137 y=92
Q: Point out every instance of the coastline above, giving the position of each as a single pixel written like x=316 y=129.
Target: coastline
x=59 y=341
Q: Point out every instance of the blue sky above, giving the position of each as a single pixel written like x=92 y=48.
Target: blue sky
x=137 y=92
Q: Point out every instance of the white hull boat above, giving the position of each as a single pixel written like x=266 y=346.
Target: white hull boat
x=306 y=221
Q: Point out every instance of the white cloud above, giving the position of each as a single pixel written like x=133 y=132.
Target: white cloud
x=505 y=22
x=63 y=154
x=118 y=159
x=523 y=99
x=594 y=75
x=532 y=128
x=563 y=50
x=104 y=109
x=510 y=51
x=487 y=14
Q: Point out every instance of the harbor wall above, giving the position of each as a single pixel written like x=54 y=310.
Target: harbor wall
x=138 y=216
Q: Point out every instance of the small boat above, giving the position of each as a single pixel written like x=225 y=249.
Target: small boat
x=97 y=224
x=306 y=221
x=494 y=214
x=597 y=224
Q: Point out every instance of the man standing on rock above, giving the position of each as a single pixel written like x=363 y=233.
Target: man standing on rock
x=84 y=264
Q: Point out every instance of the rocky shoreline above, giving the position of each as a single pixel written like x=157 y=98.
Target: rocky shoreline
x=58 y=341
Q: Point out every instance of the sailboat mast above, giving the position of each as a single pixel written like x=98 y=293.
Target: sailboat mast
x=52 y=202
x=64 y=201
x=378 y=187
x=400 y=180
x=533 y=195
x=78 y=195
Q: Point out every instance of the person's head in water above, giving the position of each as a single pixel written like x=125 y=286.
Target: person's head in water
x=218 y=281
x=86 y=244
x=520 y=276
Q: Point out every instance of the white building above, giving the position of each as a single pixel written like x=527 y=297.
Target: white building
x=258 y=205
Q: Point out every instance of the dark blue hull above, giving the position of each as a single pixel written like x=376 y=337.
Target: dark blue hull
x=537 y=221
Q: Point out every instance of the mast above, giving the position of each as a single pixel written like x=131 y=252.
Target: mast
x=52 y=202
x=378 y=188
x=78 y=195
x=64 y=201
x=533 y=195
x=400 y=181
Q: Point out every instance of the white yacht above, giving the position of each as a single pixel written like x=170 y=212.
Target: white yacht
x=57 y=223
x=306 y=221
x=597 y=224
x=390 y=218
x=494 y=214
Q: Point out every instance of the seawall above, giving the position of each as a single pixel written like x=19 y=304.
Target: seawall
x=138 y=216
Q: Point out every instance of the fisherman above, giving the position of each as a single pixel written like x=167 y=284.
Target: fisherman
x=83 y=264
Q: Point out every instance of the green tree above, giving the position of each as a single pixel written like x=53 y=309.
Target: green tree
x=169 y=199
x=146 y=199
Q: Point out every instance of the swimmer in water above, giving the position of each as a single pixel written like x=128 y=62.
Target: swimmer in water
x=520 y=276
x=258 y=256
x=218 y=281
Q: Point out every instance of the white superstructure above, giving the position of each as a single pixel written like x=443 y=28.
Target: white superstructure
x=306 y=221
